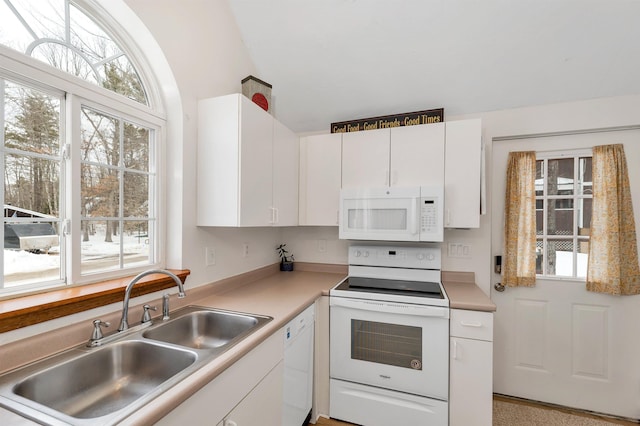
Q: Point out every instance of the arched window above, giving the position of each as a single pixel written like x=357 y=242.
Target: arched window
x=80 y=150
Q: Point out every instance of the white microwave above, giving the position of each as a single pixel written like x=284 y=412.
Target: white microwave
x=392 y=214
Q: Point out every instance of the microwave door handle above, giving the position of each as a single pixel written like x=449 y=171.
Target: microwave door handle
x=413 y=223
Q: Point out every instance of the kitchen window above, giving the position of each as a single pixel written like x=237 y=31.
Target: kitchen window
x=80 y=151
x=563 y=213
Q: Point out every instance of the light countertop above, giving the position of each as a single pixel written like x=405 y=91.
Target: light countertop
x=281 y=295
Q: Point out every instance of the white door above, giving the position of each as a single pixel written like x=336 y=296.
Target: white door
x=556 y=342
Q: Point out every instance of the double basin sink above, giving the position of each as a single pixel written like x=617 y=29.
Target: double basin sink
x=105 y=384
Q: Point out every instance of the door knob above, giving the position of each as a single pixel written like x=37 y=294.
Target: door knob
x=499 y=287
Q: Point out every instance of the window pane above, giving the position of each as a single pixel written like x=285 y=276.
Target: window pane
x=100 y=191
x=136 y=240
x=32 y=120
x=136 y=147
x=560 y=217
x=539 y=178
x=100 y=138
x=100 y=246
x=560 y=177
x=136 y=195
x=583 y=258
x=539 y=251
x=539 y=217
x=585 y=184
x=560 y=258
x=585 y=206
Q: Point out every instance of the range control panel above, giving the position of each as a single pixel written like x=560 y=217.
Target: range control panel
x=424 y=257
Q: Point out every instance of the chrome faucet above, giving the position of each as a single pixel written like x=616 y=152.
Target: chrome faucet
x=124 y=321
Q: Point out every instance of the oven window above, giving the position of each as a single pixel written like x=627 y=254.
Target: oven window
x=385 y=219
x=384 y=343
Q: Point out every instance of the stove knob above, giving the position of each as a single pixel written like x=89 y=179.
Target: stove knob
x=430 y=256
x=357 y=253
x=420 y=256
x=366 y=254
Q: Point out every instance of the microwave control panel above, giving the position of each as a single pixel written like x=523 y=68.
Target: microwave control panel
x=431 y=218
x=428 y=215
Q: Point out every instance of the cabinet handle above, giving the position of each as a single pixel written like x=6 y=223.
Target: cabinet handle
x=455 y=349
x=471 y=324
x=448 y=216
x=337 y=217
x=276 y=215
x=395 y=177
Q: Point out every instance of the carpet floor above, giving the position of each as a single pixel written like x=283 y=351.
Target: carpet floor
x=514 y=412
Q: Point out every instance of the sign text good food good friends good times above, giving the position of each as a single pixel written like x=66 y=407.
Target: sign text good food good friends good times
x=388 y=121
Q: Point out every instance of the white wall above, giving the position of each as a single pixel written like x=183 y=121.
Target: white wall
x=203 y=47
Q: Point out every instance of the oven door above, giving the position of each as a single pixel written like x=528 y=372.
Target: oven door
x=397 y=346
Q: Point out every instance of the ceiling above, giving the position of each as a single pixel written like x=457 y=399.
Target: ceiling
x=336 y=60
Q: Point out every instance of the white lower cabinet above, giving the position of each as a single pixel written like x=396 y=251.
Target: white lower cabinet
x=249 y=392
x=471 y=368
x=263 y=406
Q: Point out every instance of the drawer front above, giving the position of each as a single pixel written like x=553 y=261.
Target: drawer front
x=472 y=324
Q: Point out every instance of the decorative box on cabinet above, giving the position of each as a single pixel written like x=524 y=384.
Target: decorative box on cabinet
x=320 y=179
x=247 y=165
x=471 y=368
x=462 y=169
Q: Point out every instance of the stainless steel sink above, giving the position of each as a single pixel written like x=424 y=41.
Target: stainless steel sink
x=206 y=329
x=106 y=384
x=106 y=380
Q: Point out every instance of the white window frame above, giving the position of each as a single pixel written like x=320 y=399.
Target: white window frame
x=545 y=156
x=31 y=72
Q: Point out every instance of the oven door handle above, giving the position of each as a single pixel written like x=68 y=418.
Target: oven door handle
x=391 y=307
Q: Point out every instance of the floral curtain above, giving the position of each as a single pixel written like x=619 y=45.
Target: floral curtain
x=519 y=264
x=613 y=251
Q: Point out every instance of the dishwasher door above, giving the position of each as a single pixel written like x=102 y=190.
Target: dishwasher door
x=298 y=369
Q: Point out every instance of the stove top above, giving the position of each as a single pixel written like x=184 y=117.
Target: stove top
x=394 y=274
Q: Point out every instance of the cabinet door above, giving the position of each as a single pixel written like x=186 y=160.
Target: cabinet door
x=471 y=382
x=285 y=175
x=417 y=155
x=365 y=159
x=463 y=147
x=256 y=152
x=263 y=406
x=320 y=179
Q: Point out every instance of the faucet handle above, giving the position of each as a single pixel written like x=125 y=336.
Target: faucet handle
x=146 y=316
x=97 y=330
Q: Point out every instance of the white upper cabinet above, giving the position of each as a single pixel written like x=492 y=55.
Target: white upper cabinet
x=400 y=156
x=463 y=159
x=285 y=175
x=417 y=155
x=365 y=159
x=243 y=153
x=320 y=179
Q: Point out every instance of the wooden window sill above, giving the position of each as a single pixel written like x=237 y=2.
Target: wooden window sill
x=36 y=308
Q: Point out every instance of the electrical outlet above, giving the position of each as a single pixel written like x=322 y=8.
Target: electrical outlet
x=245 y=250
x=209 y=256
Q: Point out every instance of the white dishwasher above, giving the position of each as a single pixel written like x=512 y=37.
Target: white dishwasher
x=298 y=369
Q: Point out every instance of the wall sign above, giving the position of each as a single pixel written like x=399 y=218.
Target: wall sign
x=387 y=121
